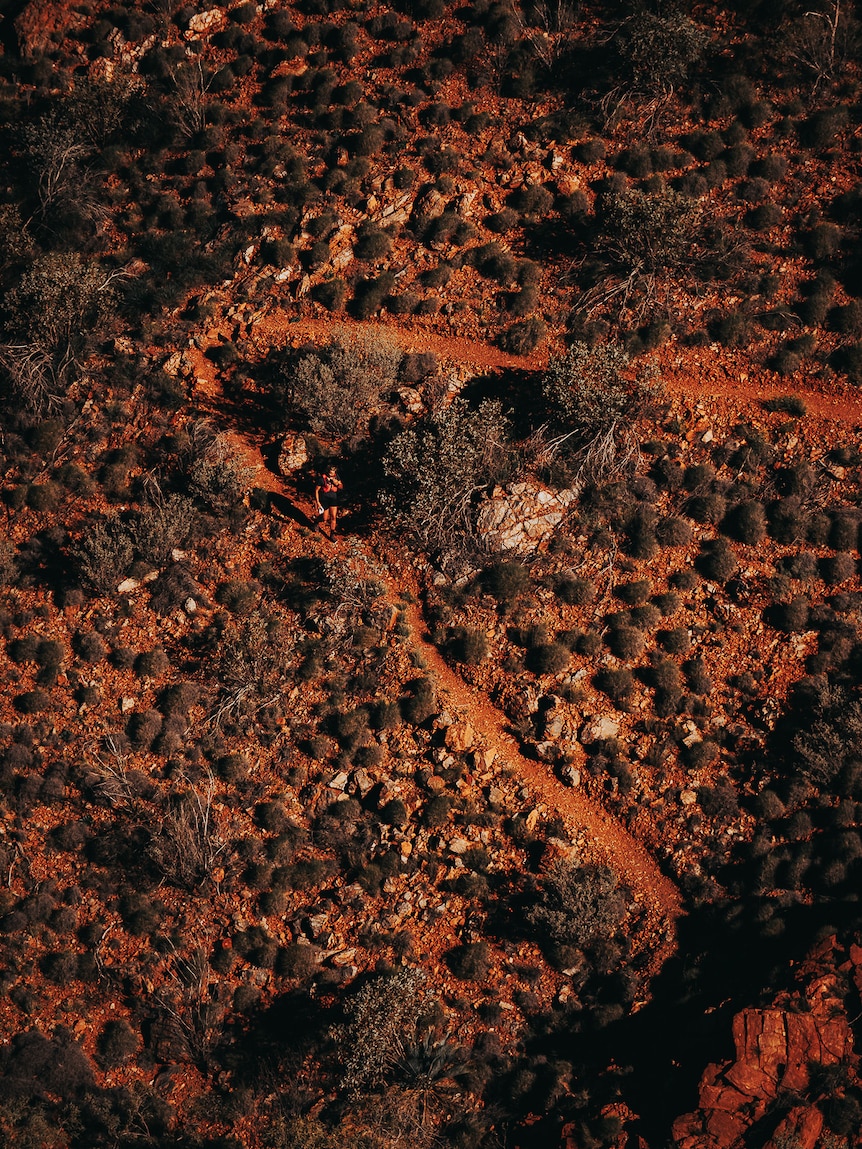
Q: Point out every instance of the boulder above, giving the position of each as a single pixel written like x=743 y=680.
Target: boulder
x=521 y=517
x=598 y=729
x=293 y=454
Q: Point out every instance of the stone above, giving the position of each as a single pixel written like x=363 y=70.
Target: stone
x=171 y=365
x=688 y=797
x=546 y=751
x=128 y=584
x=363 y=782
x=521 y=517
x=339 y=782
x=190 y=606
x=570 y=775
x=126 y=704
x=459 y=846
x=459 y=737
x=203 y=22
x=292 y=454
x=553 y=725
x=598 y=729
x=411 y=400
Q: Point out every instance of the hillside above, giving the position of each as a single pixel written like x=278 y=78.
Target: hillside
x=525 y=809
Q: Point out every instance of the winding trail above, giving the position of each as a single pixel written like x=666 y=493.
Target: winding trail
x=607 y=841
x=601 y=839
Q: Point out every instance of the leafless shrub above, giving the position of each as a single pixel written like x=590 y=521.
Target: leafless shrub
x=187 y=846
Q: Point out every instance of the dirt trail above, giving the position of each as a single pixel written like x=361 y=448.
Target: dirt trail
x=607 y=841
x=728 y=381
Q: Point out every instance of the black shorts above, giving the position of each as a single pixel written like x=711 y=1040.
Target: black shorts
x=328 y=500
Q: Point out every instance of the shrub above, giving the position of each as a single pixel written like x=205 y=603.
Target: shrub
x=696 y=676
x=838 y=568
x=372 y=243
x=574 y=591
x=523 y=337
x=505 y=580
x=634 y=593
x=625 y=642
x=547 y=658
x=152 y=663
x=369 y=294
x=700 y=755
x=335 y=386
x=331 y=294
x=675 y=641
x=90 y=646
x=116 y=1043
x=297 y=961
x=34 y=702
x=673 y=532
x=717 y=560
x=745 y=521
x=238 y=595
x=617 y=684
x=470 y=962
x=468 y=646
x=578 y=904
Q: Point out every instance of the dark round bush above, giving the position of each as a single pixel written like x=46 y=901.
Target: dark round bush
x=634 y=593
x=675 y=641
x=717 y=560
x=625 y=642
x=523 y=337
x=746 y=522
x=574 y=591
x=505 y=580
x=548 y=658
x=673 y=531
x=116 y=1043
x=90 y=646
x=700 y=755
x=617 y=684
x=838 y=568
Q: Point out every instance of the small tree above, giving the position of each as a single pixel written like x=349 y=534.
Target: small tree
x=336 y=386
x=579 y=904
x=436 y=470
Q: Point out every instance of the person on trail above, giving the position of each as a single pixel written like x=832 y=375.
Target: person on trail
x=326 y=496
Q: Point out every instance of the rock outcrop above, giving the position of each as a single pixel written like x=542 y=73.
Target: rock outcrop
x=521 y=517
x=775 y=1049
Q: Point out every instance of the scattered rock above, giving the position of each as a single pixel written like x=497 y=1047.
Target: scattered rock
x=128 y=584
x=570 y=775
x=203 y=22
x=459 y=737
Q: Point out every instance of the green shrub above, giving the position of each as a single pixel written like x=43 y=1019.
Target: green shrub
x=578 y=904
